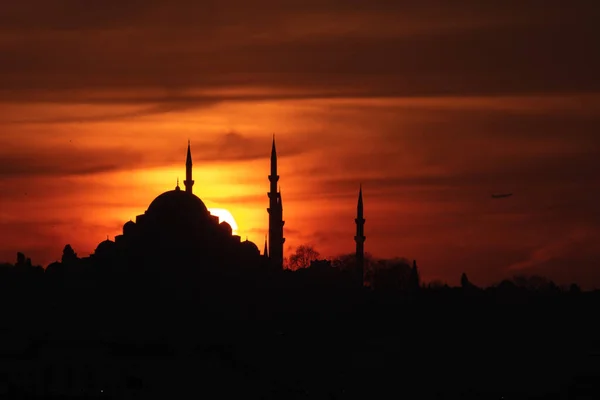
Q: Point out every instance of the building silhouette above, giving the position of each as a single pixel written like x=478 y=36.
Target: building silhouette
x=177 y=226
x=275 y=210
x=360 y=237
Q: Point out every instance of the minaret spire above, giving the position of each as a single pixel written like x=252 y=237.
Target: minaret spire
x=189 y=182
x=275 y=211
x=266 y=250
x=274 y=159
x=360 y=236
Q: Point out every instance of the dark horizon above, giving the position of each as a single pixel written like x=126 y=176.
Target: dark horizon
x=163 y=323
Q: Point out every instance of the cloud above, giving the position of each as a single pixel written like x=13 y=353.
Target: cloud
x=67 y=161
x=560 y=247
x=396 y=50
x=234 y=146
x=417 y=116
x=246 y=199
x=570 y=255
x=73 y=160
x=519 y=175
x=21 y=189
x=116 y=116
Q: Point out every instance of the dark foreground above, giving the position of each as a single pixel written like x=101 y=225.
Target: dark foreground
x=258 y=343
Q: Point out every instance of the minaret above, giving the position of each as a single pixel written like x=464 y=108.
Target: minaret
x=360 y=236
x=188 y=171
x=280 y=225
x=266 y=250
x=275 y=211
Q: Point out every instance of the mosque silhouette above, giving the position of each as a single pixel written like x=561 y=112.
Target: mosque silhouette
x=177 y=228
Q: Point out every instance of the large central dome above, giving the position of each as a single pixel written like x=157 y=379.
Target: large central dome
x=177 y=229
x=177 y=202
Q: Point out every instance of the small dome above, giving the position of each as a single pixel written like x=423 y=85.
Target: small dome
x=177 y=202
x=250 y=247
x=105 y=246
x=128 y=227
x=226 y=227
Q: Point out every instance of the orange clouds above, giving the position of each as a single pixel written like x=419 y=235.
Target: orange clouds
x=431 y=108
x=424 y=187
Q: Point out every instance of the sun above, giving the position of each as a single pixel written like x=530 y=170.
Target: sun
x=225 y=216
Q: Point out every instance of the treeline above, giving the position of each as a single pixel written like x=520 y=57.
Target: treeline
x=396 y=276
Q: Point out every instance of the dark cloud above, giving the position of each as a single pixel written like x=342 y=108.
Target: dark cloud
x=565 y=170
x=37 y=186
x=466 y=150
x=466 y=123
x=570 y=255
x=79 y=119
x=234 y=146
x=71 y=160
x=487 y=49
x=68 y=161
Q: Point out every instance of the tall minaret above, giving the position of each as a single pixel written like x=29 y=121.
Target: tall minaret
x=360 y=236
x=275 y=211
x=188 y=171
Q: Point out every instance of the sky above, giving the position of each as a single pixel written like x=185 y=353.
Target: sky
x=431 y=105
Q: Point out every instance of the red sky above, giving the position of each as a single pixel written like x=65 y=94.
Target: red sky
x=432 y=106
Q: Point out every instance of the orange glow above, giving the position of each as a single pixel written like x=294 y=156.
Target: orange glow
x=422 y=187
x=225 y=216
x=430 y=108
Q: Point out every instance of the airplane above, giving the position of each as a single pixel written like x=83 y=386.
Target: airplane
x=500 y=196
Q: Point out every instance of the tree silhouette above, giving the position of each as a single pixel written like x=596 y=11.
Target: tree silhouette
x=302 y=257
x=414 y=280
x=346 y=262
x=436 y=284
x=389 y=275
x=68 y=255
x=464 y=281
x=574 y=288
x=533 y=282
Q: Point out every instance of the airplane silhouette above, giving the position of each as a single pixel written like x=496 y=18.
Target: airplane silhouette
x=500 y=196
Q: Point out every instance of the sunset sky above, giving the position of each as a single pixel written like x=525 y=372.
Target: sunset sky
x=431 y=105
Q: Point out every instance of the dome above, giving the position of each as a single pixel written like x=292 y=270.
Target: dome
x=250 y=247
x=177 y=202
x=226 y=228
x=105 y=246
x=128 y=227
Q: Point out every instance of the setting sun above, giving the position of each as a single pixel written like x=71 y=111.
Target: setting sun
x=225 y=215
